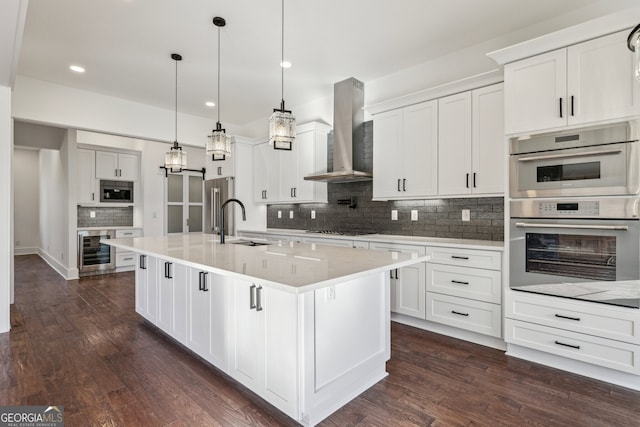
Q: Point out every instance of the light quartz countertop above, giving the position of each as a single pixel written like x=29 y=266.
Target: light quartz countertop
x=390 y=238
x=110 y=227
x=295 y=267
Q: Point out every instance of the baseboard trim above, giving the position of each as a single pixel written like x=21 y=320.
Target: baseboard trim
x=66 y=273
x=25 y=251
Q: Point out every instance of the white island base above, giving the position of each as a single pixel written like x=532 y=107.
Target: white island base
x=321 y=348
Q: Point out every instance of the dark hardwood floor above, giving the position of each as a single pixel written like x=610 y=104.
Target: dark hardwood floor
x=80 y=344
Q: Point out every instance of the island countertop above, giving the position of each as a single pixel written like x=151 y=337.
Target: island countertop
x=291 y=266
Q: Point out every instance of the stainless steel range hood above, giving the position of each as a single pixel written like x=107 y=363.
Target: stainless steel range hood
x=349 y=163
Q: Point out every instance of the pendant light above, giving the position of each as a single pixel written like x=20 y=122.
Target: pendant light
x=633 y=43
x=218 y=143
x=176 y=159
x=282 y=124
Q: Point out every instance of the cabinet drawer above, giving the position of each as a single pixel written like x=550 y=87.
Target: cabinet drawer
x=136 y=232
x=125 y=259
x=615 y=323
x=599 y=351
x=394 y=247
x=477 y=258
x=465 y=282
x=476 y=316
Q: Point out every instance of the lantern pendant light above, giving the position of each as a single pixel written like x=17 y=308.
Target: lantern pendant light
x=218 y=144
x=633 y=43
x=176 y=159
x=282 y=124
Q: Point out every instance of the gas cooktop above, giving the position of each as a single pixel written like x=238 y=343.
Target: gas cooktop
x=341 y=233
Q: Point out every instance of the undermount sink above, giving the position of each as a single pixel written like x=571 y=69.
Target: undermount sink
x=249 y=243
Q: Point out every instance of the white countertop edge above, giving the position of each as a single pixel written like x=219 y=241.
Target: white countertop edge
x=281 y=286
x=110 y=227
x=390 y=238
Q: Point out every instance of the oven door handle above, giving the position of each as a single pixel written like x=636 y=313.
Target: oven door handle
x=570 y=155
x=572 y=226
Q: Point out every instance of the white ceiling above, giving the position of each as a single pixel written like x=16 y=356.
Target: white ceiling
x=125 y=44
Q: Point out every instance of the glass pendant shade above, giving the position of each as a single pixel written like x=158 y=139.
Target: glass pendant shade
x=218 y=143
x=633 y=43
x=175 y=159
x=282 y=129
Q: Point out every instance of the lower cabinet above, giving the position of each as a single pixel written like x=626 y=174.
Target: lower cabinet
x=595 y=333
x=172 y=299
x=206 y=318
x=264 y=343
x=408 y=283
x=147 y=287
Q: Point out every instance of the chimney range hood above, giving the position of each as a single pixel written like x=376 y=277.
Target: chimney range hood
x=348 y=135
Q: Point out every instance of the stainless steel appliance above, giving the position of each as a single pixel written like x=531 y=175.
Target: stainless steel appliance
x=116 y=191
x=599 y=161
x=554 y=243
x=94 y=255
x=217 y=191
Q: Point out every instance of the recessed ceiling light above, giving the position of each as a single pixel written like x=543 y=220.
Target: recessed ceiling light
x=210 y=104
x=285 y=64
x=76 y=68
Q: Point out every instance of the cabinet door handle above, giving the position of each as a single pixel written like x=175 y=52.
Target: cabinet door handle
x=396 y=274
x=404 y=184
x=467 y=181
x=572 y=105
x=143 y=262
x=560 y=107
x=577 y=319
x=93 y=196
x=459 y=257
x=459 y=282
x=459 y=313
x=252 y=297
x=295 y=191
x=398 y=184
x=259 y=298
x=204 y=281
x=219 y=170
x=116 y=172
x=291 y=191
x=474 y=180
x=577 y=347
x=167 y=270
x=391 y=274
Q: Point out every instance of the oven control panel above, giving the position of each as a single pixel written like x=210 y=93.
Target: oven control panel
x=590 y=208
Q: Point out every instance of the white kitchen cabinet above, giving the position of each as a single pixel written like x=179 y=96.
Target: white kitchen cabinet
x=583 y=83
x=407 y=283
x=126 y=260
x=147 y=287
x=117 y=166
x=471 y=142
x=488 y=146
x=266 y=164
x=173 y=299
x=405 y=152
x=264 y=343
x=279 y=174
x=87 y=184
x=206 y=323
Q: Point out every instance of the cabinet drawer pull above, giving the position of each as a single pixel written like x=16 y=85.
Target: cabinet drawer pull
x=143 y=262
x=459 y=257
x=129 y=233
x=459 y=282
x=560 y=107
x=252 y=297
x=259 y=298
x=128 y=259
x=167 y=270
x=577 y=319
x=459 y=313
x=577 y=347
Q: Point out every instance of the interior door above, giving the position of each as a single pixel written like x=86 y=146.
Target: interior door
x=185 y=203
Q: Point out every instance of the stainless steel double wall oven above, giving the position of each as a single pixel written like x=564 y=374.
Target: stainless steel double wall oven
x=574 y=212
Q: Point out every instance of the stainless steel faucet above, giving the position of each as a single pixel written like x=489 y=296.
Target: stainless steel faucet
x=244 y=216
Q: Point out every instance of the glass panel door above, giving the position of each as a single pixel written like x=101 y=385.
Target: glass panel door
x=184 y=196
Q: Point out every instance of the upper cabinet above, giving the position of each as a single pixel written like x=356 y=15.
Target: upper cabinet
x=405 y=152
x=471 y=145
x=583 y=83
x=117 y=166
x=279 y=174
x=87 y=185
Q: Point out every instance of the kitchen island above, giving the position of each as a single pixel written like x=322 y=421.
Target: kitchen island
x=305 y=326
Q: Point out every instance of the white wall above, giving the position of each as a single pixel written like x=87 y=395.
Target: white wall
x=26 y=203
x=6 y=202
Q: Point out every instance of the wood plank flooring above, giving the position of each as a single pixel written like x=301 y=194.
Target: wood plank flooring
x=80 y=344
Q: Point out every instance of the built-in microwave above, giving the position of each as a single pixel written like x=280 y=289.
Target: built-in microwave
x=600 y=161
x=116 y=191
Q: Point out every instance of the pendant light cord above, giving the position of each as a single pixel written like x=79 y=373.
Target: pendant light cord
x=218 y=76
x=176 y=107
x=282 y=61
